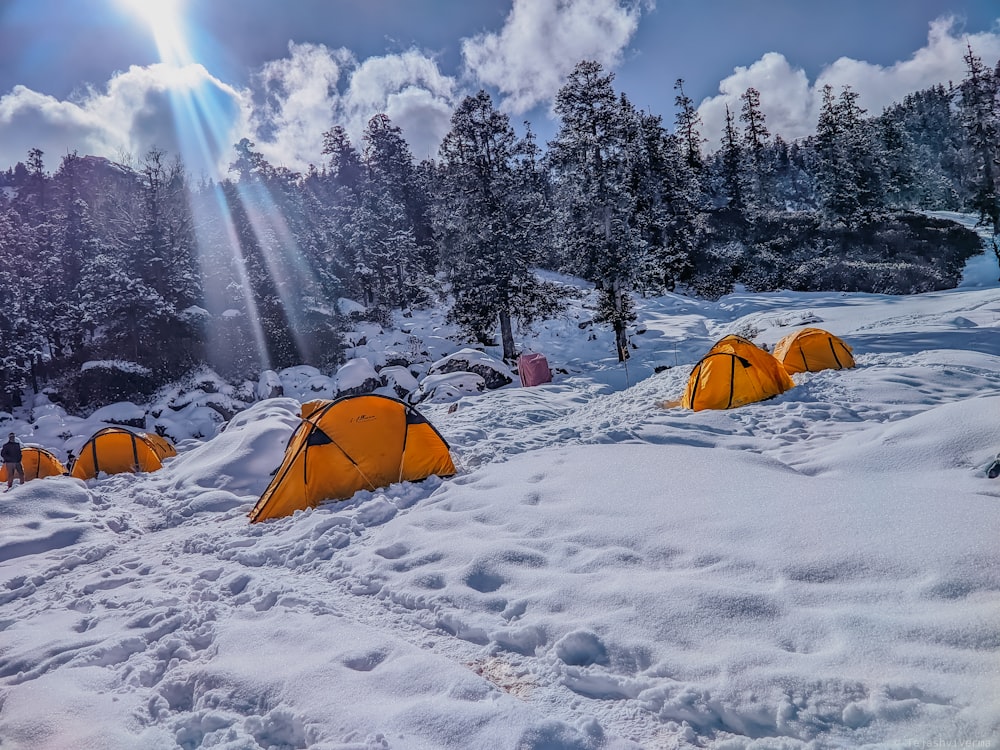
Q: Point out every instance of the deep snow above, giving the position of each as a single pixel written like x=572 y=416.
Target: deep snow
x=819 y=570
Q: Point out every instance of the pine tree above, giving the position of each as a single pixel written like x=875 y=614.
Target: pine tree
x=755 y=142
x=668 y=194
x=19 y=294
x=490 y=219
x=731 y=171
x=899 y=176
x=849 y=166
x=926 y=158
x=866 y=153
x=266 y=257
x=391 y=169
x=981 y=116
x=596 y=206
x=387 y=226
x=234 y=345
x=346 y=167
x=792 y=182
x=384 y=248
x=688 y=121
x=162 y=252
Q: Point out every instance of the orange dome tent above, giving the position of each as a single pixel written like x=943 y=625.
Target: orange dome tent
x=812 y=349
x=37 y=463
x=115 y=450
x=733 y=373
x=353 y=443
x=163 y=447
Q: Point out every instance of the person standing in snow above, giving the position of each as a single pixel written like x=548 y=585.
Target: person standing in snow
x=11 y=455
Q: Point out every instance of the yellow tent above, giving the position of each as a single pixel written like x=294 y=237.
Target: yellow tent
x=812 y=349
x=163 y=447
x=733 y=373
x=353 y=443
x=37 y=463
x=115 y=450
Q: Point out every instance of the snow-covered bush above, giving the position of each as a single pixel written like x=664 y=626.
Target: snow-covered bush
x=109 y=381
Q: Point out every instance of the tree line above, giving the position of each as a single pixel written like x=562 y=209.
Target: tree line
x=138 y=262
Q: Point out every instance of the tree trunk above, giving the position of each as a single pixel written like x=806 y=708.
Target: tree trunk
x=404 y=301
x=621 y=340
x=507 y=336
x=133 y=335
x=36 y=363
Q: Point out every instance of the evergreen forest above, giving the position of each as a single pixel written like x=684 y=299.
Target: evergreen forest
x=136 y=262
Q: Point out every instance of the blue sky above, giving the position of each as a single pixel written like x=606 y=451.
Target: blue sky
x=104 y=77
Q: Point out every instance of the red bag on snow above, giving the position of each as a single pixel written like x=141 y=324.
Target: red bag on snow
x=533 y=369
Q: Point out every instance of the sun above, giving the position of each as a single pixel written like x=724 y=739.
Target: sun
x=157 y=13
x=164 y=18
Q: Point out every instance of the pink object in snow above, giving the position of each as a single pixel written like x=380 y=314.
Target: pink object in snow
x=533 y=369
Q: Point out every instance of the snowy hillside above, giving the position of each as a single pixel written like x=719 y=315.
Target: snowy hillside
x=817 y=570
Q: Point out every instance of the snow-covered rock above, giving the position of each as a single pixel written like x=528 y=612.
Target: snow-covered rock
x=123 y=413
x=447 y=387
x=269 y=386
x=400 y=380
x=494 y=373
x=349 y=307
x=357 y=376
x=305 y=382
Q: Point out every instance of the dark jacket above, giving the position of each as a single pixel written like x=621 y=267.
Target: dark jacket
x=11 y=452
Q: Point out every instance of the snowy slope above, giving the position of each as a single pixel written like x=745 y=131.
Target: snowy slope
x=819 y=570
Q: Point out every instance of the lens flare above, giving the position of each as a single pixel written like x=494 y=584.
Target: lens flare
x=164 y=18
x=202 y=123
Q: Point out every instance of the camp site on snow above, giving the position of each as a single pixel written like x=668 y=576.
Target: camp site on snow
x=565 y=539
x=367 y=441
x=499 y=375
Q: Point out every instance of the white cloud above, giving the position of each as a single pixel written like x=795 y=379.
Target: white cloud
x=158 y=106
x=408 y=88
x=292 y=101
x=424 y=118
x=940 y=61
x=791 y=104
x=304 y=97
x=300 y=97
x=185 y=111
x=30 y=120
x=785 y=97
x=543 y=40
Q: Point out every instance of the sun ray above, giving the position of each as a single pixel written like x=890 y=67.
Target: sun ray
x=165 y=19
x=281 y=253
x=198 y=115
x=216 y=212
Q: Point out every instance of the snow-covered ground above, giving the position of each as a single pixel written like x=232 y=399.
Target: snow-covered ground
x=818 y=570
